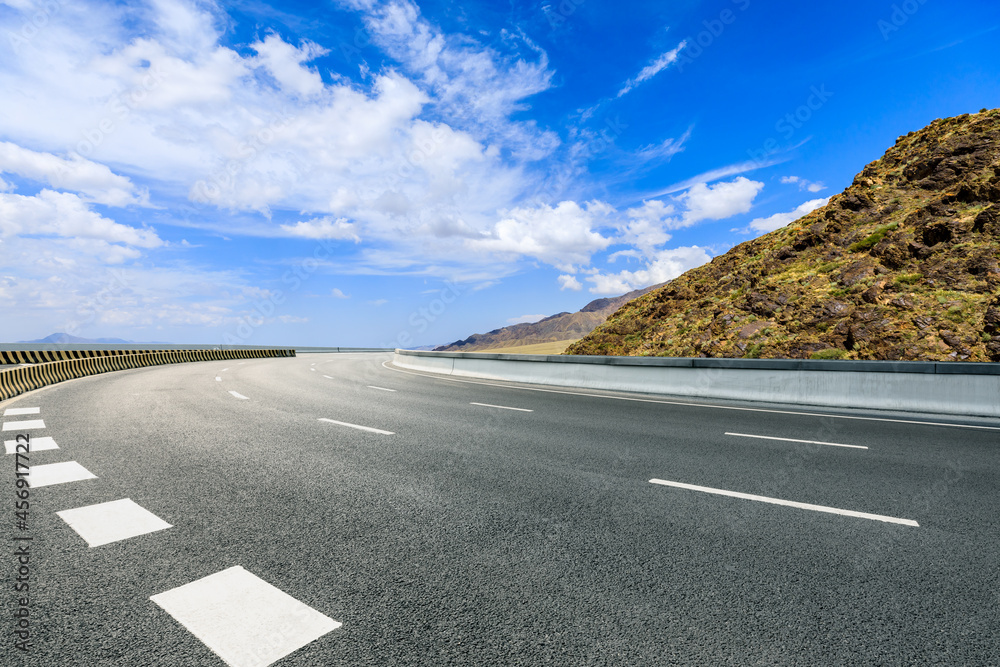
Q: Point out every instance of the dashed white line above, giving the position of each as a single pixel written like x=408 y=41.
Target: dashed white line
x=502 y=407
x=787 y=503
x=313 y=370
x=58 y=473
x=371 y=386
x=24 y=425
x=808 y=442
x=34 y=445
x=361 y=428
x=218 y=379
x=117 y=520
x=238 y=395
x=243 y=619
x=14 y=412
x=328 y=377
x=224 y=370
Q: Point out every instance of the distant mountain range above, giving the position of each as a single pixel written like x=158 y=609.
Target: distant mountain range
x=560 y=327
x=66 y=339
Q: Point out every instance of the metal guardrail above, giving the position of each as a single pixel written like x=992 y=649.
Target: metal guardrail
x=44 y=370
x=932 y=367
x=946 y=388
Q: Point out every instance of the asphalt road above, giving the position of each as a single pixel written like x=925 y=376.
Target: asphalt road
x=469 y=533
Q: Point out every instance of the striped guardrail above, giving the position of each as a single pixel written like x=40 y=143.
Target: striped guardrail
x=16 y=381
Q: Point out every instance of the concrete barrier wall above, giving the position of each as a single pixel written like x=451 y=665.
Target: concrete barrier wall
x=935 y=387
x=16 y=381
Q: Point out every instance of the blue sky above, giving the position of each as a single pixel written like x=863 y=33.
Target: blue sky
x=408 y=173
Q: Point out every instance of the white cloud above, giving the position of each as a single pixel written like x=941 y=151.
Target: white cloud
x=379 y=302
x=569 y=282
x=646 y=225
x=704 y=202
x=811 y=186
x=66 y=215
x=284 y=62
x=778 y=220
x=322 y=228
x=664 y=265
x=337 y=293
x=95 y=181
x=475 y=85
x=652 y=69
x=525 y=319
x=562 y=236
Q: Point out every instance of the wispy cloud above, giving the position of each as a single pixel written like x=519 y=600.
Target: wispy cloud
x=659 y=64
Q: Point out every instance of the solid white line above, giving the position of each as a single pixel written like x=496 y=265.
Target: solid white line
x=502 y=407
x=57 y=473
x=218 y=379
x=371 y=386
x=243 y=619
x=35 y=445
x=692 y=405
x=117 y=520
x=787 y=503
x=14 y=412
x=239 y=396
x=30 y=423
x=362 y=428
x=808 y=442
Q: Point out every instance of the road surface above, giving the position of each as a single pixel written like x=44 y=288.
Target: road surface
x=363 y=515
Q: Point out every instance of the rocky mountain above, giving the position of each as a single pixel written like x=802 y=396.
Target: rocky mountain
x=562 y=326
x=903 y=265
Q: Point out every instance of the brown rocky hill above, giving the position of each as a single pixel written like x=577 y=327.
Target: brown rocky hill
x=903 y=265
x=562 y=326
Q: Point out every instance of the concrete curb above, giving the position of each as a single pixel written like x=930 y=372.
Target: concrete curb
x=929 y=387
x=69 y=365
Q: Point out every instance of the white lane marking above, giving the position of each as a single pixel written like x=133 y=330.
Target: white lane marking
x=238 y=395
x=243 y=619
x=808 y=442
x=328 y=377
x=787 y=503
x=34 y=445
x=313 y=370
x=224 y=370
x=692 y=405
x=26 y=424
x=502 y=407
x=14 y=412
x=218 y=379
x=371 y=386
x=58 y=473
x=117 y=520
x=362 y=428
